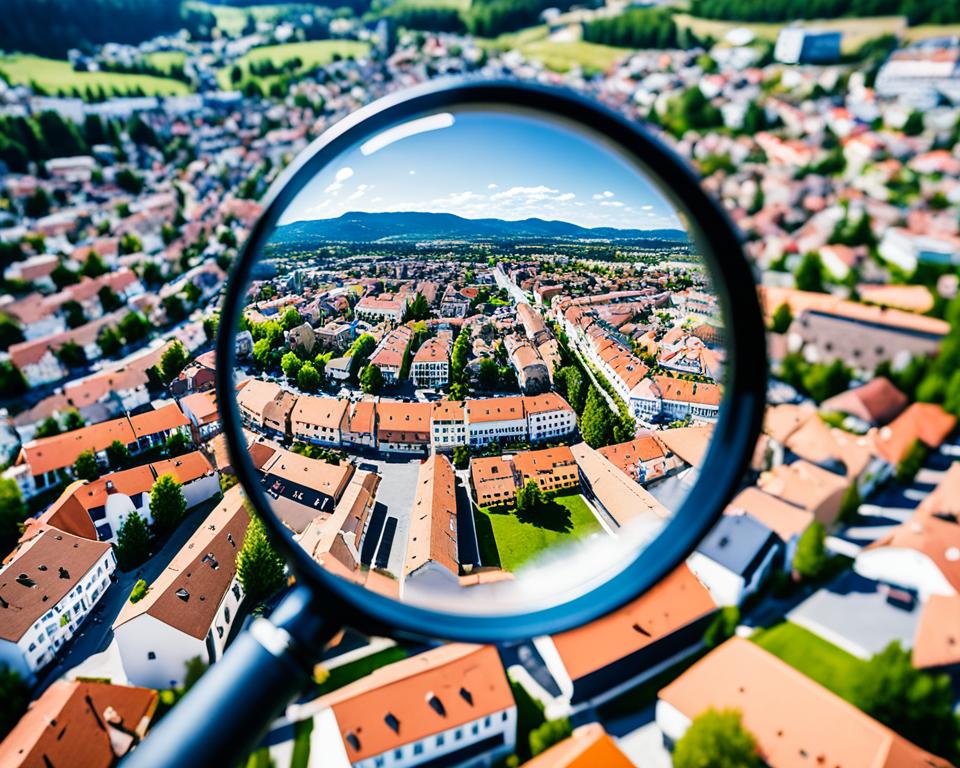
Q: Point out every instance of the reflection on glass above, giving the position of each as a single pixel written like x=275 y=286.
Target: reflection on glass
x=480 y=361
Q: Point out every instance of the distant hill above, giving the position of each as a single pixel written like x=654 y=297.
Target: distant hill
x=413 y=226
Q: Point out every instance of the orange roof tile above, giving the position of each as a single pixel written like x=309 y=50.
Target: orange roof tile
x=432 y=536
x=937 y=640
x=589 y=747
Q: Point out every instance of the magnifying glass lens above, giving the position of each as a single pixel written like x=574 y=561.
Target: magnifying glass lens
x=480 y=361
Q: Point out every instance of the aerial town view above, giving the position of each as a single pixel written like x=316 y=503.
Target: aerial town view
x=484 y=347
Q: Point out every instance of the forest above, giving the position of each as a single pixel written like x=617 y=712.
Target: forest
x=917 y=11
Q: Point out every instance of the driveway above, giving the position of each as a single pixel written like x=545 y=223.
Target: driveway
x=387 y=547
x=854 y=613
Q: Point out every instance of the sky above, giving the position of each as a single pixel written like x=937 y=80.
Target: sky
x=487 y=165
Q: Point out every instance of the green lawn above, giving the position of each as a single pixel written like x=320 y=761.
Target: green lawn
x=458 y=5
x=354 y=670
x=535 y=45
x=166 y=60
x=312 y=54
x=301 y=744
x=55 y=76
x=819 y=660
x=232 y=19
x=508 y=542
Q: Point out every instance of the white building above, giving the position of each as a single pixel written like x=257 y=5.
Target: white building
x=319 y=420
x=907 y=249
x=189 y=609
x=495 y=419
x=448 y=426
x=797 y=45
x=46 y=591
x=431 y=364
x=451 y=705
x=922 y=74
x=675 y=399
x=549 y=417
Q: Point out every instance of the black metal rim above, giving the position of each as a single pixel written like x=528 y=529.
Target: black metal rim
x=734 y=435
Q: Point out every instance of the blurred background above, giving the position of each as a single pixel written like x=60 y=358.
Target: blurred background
x=818 y=622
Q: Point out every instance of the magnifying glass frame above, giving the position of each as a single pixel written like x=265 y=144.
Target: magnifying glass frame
x=734 y=435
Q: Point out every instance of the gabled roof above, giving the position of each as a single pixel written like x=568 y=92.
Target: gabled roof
x=626 y=456
x=689 y=443
x=738 y=543
x=588 y=747
x=782 y=518
x=39 y=576
x=423 y=695
x=927 y=422
x=319 y=411
x=187 y=593
x=876 y=402
x=495 y=409
x=432 y=536
x=937 y=641
x=797 y=723
x=59 y=451
x=674 y=602
x=79 y=723
x=161 y=419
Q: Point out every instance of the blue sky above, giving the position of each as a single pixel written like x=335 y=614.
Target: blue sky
x=481 y=164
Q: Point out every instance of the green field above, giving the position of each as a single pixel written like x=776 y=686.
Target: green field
x=56 y=76
x=166 y=60
x=231 y=19
x=313 y=54
x=508 y=542
x=459 y=5
x=354 y=670
x=559 y=56
x=819 y=660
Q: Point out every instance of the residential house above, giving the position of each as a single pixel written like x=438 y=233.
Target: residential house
x=794 y=720
x=785 y=520
x=47 y=588
x=589 y=745
x=446 y=706
x=735 y=558
x=935 y=645
x=925 y=423
x=448 y=426
x=599 y=660
x=204 y=414
x=319 y=420
x=873 y=404
x=675 y=400
x=361 y=430
x=377 y=308
x=532 y=372
x=643 y=459
x=432 y=564
x=431 y=364
x=391 y=352
x=403 y=427
x=82 y=723
x=549 y=417
x=190 y=608
x=495 y=419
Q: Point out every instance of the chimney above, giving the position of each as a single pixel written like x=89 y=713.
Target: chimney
x=110 y=487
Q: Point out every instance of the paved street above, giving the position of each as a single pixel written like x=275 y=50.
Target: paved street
x=398 y=486
x=519 y=297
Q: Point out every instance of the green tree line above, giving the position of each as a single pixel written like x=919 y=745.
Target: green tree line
x=918 y=11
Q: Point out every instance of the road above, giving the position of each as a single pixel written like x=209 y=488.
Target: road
x=519 y=297
x=94 y=636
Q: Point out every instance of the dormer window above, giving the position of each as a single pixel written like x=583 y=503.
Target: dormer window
x=391 y=720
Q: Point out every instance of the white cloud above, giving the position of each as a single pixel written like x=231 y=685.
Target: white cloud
x=413 y=173
x=603 y=195
x=612 y=203
x=491 y=186
x=457 y=199
x=360 y=191
x=646 y=207
x=342 y=175
x=565 y=197
x=535 y=193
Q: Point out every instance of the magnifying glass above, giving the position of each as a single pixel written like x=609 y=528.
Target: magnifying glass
x=490 y=365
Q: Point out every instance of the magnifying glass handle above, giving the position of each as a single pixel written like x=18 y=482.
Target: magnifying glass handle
x=224 y=716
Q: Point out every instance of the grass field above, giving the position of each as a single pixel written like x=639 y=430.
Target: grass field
x=855 y=31
x=313 y=54
x=508 y=542
x=56 y=76
x=458 y=5
x=232 y=19
x=819 y=660
x=560 y=56
x=166 y=60
x=354 y=670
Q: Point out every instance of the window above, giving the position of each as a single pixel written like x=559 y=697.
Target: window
x=151 y=656
x=418 y=748
x=439 y=739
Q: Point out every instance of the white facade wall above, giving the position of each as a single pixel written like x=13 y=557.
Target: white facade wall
x=671 y=721
x=430 y=374
x=903 y=567
x=550 y=424
x=39 y=644
x=448 y=434
x=45 y=370
x=313 y=433
x=725 y=586
x=491 y=431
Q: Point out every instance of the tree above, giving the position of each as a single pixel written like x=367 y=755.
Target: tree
x=133 y=542
x=73 y=420
x=13 y=512
x=850 y=503
x=291 y=364
x=72 y=355
x=461 y=457
x=722 y=627
x=139 y=591
x=914 y=124
x=549 y=733
x=291 y=319
x=62 y=277
x=109 y=301
x=489 y=374
x=717 y=739
x=811 y=556
x=10 y=332
x=529 y=499
x=167 y=504
x=195 y=669
x=825 y=381
x=371 y=380
x=93 y=266
x=596 y=424
x=418 y=309
x=37 y=204
x=210 y=326
x=810 y=274
x=173 y=360
x=782 y=317
x=177 y=444
x=109 y=341
x=48 y=427
x=117 y=455
x=260 y=568
x=911 y=462
x=308 y=378
x=134 y=327
x=174 y=308
x=917 y=705
x=129 y=181
x=86 y=467
x=12 y=382
x=14 y=697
